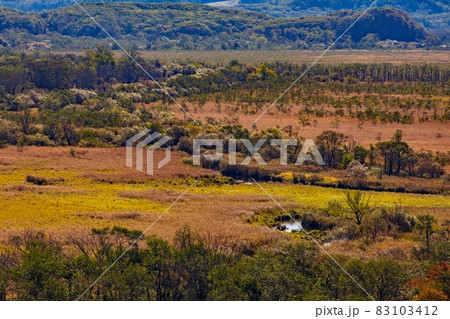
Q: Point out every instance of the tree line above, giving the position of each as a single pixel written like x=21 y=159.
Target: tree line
x=35 y=267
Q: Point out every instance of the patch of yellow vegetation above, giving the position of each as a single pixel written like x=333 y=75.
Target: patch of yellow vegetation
x=330 y=180
x=287 y=176
x=70 y=203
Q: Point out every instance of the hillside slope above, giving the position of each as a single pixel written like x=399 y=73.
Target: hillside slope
x=192 y=26
x=431 y=13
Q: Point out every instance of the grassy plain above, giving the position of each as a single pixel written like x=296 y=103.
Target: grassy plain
x=434 y=136
x=293 y=56
x=303 y=56
x=95 y=189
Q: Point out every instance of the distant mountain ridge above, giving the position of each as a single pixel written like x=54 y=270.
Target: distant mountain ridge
x=431 y=13
x=192 y=26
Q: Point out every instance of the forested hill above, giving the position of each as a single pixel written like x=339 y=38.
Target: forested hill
x=41 y=5
x=431 y=13
x=192 y=26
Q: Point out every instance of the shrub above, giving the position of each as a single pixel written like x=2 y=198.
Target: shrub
x=185 y=144
x=347 y=232
x=57 y=99
x=82 y=95
x=435 y=286
x=126 y=215
x=38 y=140
x=388 y=223
x=375 y=227
x=307 y=179
x=90 y=142
x=98 y=137
x=9 y=131
x=177 y=132
x=334 y=208
x=272 y=217
x=427 y=167
x=214 y=180
x=247 y=172
x=357 y=171
x=320 y=222
x=346 y=160
x=397 y=217
x=39 y=180
x=431 y=294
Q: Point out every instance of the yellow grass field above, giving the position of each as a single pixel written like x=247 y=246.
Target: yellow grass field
x=96 y=189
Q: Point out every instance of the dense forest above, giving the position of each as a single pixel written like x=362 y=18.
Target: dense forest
x=431 y=13
x=432 y=6
x=191 y=26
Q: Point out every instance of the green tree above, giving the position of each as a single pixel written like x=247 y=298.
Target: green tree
x=396 y=155
x=383 y=279
x=359 y=205
x=41 y=274
x=330 y=146
x=425 y=226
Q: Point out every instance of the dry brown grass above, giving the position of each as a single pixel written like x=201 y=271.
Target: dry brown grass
x=100 y=164
x=304 y=56
x=253 y=57
x=390 y=248
x=441 y=214
x=434 y=136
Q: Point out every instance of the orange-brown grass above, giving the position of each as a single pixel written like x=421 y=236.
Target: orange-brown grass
x=388 y=248
x=434 y=136
x=441 y=214
x=100 y=164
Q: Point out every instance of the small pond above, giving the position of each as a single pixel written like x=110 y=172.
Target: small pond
x=290 y=226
